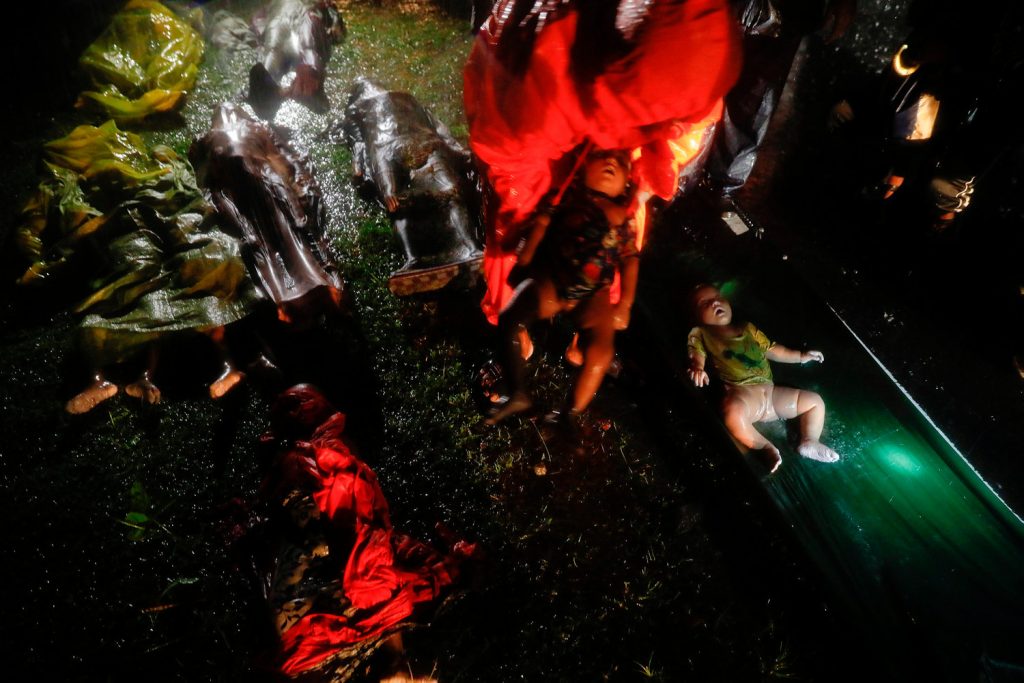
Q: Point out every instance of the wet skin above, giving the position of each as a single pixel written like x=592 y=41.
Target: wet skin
x=746 y=405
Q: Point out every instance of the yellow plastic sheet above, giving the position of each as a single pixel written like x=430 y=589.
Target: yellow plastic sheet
x=143 y=64
x=133 y=222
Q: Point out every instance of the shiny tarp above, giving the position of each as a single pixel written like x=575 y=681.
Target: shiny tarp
x=144 y=63
x=266 y=191
x=130 y=221
x=381 y=575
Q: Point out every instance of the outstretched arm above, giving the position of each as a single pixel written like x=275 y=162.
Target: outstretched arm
x=783 y=354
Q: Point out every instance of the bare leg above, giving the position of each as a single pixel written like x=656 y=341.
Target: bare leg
x=97 y=392
x=739 y=411
x=525 y=343
x=143 y=388
x=598 y=326
x=533 y=299
x=573 y=354
x=810 y=408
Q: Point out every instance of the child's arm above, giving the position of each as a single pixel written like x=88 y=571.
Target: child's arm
x=783 y=354
x=538 y=228
x=697 y=354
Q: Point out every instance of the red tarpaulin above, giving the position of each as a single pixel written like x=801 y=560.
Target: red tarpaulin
x=386 y=573
x=530 y=101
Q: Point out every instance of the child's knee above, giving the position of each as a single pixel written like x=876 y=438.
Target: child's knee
x=809 y=400
x=599 y=355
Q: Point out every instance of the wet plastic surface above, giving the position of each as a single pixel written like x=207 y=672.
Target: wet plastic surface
x=923 y=555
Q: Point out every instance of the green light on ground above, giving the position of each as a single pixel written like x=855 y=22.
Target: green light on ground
x=902 y=461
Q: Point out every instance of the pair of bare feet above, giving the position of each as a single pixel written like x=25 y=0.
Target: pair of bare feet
x=143 y=389
x=573 y=354
x=808 y=448
x=522 y=401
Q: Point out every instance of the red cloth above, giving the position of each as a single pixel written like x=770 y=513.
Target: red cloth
x=681 y=60
x=387 y=573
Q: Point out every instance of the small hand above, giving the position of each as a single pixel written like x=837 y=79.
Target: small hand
x=698 y=376
x=391 y=203
x=808 y=356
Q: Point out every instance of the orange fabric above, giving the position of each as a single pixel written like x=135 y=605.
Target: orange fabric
x=684 y=58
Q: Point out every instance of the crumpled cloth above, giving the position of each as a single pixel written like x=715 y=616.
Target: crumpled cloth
x=144 y=63
x=386 y=574
x=130 y=224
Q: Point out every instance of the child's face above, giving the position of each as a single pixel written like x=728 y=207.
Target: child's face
x=712 y=308
x=607 y=171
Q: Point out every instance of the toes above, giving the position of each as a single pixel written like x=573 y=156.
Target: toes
x=818 y=451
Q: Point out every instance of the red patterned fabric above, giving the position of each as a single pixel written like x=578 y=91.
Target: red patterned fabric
x=526 y=115
x=386 y=574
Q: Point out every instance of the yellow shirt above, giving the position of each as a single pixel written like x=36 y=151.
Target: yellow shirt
x=736 y=360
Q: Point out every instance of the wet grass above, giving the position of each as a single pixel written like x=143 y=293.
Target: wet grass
x=617 y=564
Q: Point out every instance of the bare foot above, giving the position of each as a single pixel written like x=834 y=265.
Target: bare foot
x=525 y=343
x=815 y=450
x=516 y=403
x=772 y=457
x=143 y=389
x=96 y=393
x=226 y=382
x=573 y=355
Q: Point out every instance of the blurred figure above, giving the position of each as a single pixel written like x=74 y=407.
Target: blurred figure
x=772 y=32
x=940 y=111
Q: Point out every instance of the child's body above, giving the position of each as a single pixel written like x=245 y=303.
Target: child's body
x=739 y=355
x=569 y=258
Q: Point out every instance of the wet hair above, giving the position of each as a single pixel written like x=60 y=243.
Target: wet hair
x=692 y=296
x=699 y=286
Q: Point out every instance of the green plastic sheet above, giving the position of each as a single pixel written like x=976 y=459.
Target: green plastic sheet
x=914 y=544
x=134 y=228
x=143 y=64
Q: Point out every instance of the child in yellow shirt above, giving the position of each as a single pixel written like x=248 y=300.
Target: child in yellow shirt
x=739 y=355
